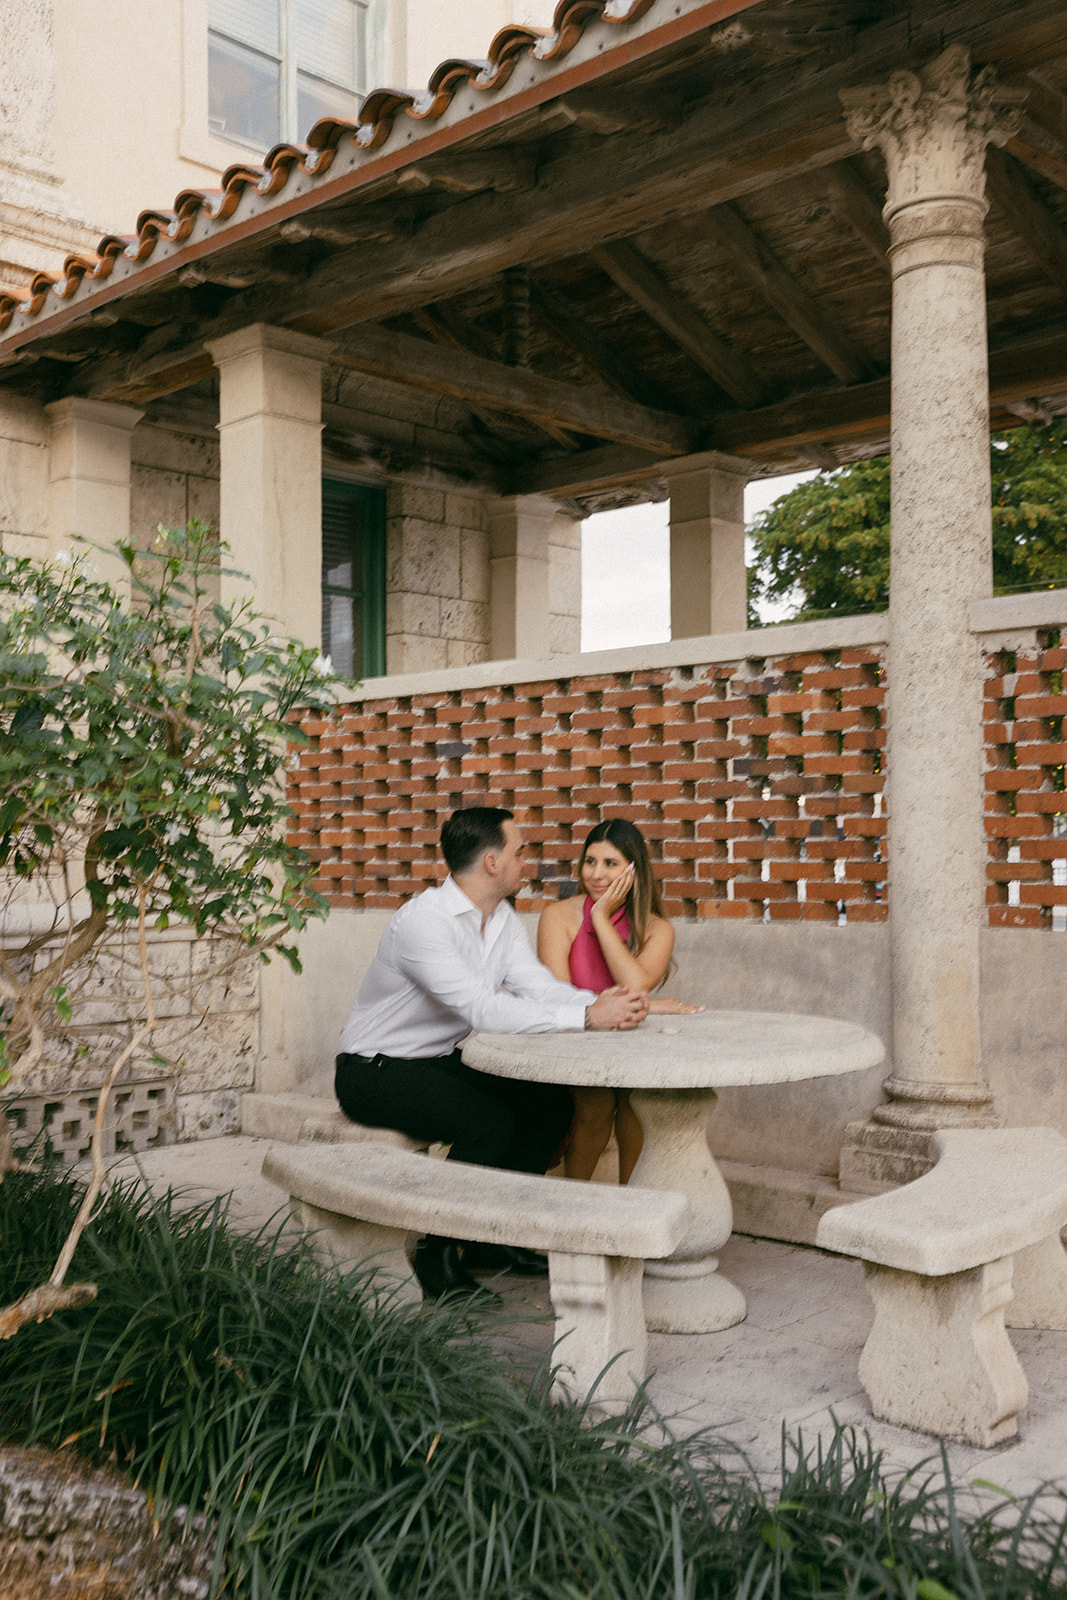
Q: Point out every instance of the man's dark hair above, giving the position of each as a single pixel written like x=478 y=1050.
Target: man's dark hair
x=467 y=835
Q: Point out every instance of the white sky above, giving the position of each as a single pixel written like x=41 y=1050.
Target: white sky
x=626 y=568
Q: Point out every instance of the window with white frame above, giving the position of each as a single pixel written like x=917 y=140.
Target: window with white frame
x=276 y=66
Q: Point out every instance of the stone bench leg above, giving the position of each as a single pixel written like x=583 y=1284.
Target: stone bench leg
x=938 y=1358
x=1040 y=1286
x=599 y=1313
x=347 y=1242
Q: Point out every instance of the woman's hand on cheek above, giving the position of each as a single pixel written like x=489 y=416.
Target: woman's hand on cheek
x=615 y=894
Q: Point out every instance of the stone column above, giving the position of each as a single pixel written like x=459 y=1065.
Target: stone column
x=709 y=591
x=89 y=480
x=270 y=515
x=933 y=129
x=519 y=529
x=270 y=503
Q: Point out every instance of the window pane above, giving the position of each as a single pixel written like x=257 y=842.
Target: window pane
x=243 y=93
x=315 y=99
x=253 y=22
x=342 y=560
x=325 y=38
x=341 y=634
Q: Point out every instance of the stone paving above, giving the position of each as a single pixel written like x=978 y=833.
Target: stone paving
x=792 y=1363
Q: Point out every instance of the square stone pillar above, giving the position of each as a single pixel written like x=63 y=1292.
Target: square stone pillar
x=520 y=528
x=709 y=585
x=89 y=480
x=270 y=436
x=564 y=584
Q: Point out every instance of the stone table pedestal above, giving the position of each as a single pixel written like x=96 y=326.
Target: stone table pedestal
x=674 y=1065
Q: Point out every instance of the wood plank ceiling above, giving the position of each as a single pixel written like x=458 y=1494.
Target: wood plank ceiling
x=686 y=253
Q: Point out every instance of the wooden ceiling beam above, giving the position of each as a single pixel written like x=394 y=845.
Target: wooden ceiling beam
x=1040 y=231
x=819 y=331
x=470 y=172
x=1040 y=152
x=513 y=391
x=581 y=200
x=678 y=317
x=445 y=325
x=608 y=466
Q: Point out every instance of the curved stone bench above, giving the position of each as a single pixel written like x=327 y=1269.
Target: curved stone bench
x=950 y=1260
x=334 y=1127
x=361 y=1200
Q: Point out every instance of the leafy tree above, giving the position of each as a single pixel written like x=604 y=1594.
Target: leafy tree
x=143 y=749
x=827 y=541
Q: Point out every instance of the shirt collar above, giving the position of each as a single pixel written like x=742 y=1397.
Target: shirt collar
x=459 y=904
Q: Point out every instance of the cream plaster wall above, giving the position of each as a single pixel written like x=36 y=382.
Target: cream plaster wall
x=422 y=34
x=103 y=109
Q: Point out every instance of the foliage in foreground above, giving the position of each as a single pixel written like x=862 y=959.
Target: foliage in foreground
x=143 y=746
x=825 y=545
x=348 y=1450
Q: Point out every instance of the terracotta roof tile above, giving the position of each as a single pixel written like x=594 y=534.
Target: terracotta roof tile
x=377 y=118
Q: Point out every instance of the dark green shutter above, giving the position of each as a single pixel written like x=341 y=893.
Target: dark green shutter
x=353 y=578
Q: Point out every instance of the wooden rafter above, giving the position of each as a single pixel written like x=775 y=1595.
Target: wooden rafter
x=819 y=331
x=581 y=201
x=856 y=205
x=680 y=320
x=578 y=334
x=473 y=380
x=1042 y=233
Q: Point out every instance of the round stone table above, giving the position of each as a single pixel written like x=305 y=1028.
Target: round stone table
x=674 y=1065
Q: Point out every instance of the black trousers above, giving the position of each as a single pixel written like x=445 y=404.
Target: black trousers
x=492 y=1122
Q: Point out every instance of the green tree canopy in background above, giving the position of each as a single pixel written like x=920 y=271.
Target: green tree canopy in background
x=825 y=545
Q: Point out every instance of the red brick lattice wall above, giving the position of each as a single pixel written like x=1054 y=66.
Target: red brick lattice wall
x=758 y=784
x=1026 y=802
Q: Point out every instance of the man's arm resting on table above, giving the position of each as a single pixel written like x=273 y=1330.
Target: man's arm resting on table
x=617 y=1008
x=441 y=971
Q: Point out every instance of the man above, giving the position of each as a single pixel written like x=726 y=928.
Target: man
x=452 y=961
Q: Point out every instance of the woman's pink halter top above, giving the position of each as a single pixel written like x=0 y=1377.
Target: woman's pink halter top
x=588 y=968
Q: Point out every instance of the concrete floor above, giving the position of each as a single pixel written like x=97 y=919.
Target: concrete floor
x=792 y=1363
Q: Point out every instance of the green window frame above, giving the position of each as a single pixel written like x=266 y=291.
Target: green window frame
x=353 y=578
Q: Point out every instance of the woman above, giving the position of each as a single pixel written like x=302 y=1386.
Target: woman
x=615 y=932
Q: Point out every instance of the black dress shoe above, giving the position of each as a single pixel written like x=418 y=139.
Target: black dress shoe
x=505 y=1258
x=437 y=1267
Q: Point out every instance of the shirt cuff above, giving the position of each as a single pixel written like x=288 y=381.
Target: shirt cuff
x=572 y=1018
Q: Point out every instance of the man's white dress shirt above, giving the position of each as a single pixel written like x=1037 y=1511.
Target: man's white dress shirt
x=437 y=977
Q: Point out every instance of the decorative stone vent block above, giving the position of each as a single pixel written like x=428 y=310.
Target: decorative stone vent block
x=139 y=1116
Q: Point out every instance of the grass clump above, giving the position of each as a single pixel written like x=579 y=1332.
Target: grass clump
x=347 y=1450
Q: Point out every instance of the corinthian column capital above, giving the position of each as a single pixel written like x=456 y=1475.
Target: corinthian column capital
x=933 y=127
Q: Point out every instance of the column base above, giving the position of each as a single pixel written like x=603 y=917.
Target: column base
x=894 y=1146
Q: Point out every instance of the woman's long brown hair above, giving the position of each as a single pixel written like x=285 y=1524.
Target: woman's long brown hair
x=644 y=900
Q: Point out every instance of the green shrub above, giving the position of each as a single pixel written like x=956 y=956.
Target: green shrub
x=347 y=1449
